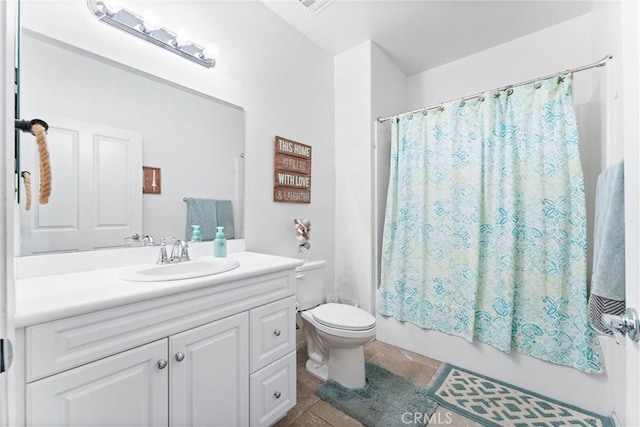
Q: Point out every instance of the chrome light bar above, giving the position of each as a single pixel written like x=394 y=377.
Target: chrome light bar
x=133 y=23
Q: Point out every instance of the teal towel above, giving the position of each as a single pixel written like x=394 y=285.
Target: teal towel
x=224 y=214
x=608 y=276
x=201 y=212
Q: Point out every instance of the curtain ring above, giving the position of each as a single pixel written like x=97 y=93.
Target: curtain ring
x=462 y=103
x=481 y=98
x=441 y=109
x=510 y=91
x=410 y=116
x=496 y=94
x=425 y=112
x=560 y=79
x=537 y=85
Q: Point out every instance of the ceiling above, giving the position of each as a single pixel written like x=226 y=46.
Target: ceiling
x=419 y=35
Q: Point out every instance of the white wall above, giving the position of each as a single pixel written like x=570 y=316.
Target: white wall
x=557 y=48
x=367 y=85
x=353 y=250
x=282 y=80
x=388 y=98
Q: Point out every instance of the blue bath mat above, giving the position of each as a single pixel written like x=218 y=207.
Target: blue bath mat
x=387 y=399
x=494 y=403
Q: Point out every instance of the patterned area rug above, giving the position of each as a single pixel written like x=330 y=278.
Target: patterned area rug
x=387 y=399
x=494 y=403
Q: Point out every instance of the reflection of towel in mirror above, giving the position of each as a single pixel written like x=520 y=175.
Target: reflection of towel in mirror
x=224 y=215
x=201 y=212
x=607 y=280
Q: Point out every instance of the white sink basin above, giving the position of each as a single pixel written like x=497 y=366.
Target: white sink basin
x=179 y=271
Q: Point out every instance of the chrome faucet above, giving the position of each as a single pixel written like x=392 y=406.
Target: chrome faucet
x=148 y=240
x=179 y=251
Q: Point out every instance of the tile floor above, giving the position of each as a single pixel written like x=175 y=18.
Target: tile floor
x=311 y=411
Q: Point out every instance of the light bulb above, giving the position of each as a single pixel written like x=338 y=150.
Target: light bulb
x=183 y=37
x=151 y=22
x=113 y=6
x=210 y=50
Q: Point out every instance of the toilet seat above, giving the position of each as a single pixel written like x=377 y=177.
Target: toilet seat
x=342 y=316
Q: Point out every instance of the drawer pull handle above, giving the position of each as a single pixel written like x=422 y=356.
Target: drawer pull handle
x=179 y=357
x=277 y=394
x=162 y=364
x=277 y=332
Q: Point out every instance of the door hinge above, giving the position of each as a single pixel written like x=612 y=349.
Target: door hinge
x=6 y=354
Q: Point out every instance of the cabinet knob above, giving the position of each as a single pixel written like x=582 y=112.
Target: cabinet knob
x=277 y=394
x=179 y=357
x=277 y=332
x=162 y=364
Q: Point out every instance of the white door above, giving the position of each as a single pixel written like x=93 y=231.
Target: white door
x=7 y=63
x=210 y=374
x=631 y=130
x=127 y=389
x=96 y=196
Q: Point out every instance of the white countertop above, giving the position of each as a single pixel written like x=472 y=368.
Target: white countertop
x=51 y=297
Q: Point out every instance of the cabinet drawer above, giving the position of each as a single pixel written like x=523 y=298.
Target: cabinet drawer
x=273 y=391
x=273 y=332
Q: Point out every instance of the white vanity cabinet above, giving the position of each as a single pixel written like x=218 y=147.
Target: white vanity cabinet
x=220 y=355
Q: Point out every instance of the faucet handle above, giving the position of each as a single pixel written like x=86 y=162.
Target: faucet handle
x=185 y=251
x=162 y=256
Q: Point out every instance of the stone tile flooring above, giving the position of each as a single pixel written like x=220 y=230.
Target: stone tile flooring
x=311 y=411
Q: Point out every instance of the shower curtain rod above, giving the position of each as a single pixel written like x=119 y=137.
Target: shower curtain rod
x=600 y=63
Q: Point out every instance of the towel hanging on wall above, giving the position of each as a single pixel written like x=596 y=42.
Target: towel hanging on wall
x=607 y=281
x=209 y=214
x=201 y=212
x=224 y=215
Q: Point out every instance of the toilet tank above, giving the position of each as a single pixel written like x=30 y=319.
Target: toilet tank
x=310 y=284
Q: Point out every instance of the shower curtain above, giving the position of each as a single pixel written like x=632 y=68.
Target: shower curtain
x=485 y=226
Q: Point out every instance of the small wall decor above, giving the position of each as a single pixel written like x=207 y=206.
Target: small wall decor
x=303 y=235
x=292 y=171
x=151 y=182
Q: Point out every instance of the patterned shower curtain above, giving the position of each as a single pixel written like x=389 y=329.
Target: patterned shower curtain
x=485 y=226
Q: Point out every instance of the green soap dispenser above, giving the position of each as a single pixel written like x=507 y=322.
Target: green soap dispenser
x=220 y=244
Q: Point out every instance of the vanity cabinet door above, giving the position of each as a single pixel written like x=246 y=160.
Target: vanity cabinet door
x=127 y=389
x=209 y=374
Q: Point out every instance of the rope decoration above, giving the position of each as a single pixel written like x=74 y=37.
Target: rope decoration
x=26 y=176
x=45 y=166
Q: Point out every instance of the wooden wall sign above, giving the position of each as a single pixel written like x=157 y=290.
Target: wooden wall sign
x=151 y=182
x=292 y=172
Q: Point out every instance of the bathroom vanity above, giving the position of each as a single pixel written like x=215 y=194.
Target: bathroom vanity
x=92 y=349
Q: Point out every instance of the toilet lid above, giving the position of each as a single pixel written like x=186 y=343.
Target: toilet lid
x=343 y=316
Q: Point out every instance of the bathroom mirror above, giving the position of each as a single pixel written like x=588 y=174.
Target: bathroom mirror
x=192 y=142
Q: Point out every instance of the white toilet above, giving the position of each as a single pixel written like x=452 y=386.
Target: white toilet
x=335 y=333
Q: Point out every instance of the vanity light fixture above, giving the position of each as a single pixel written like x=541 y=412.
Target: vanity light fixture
x=148 y=28
x=316 y=6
